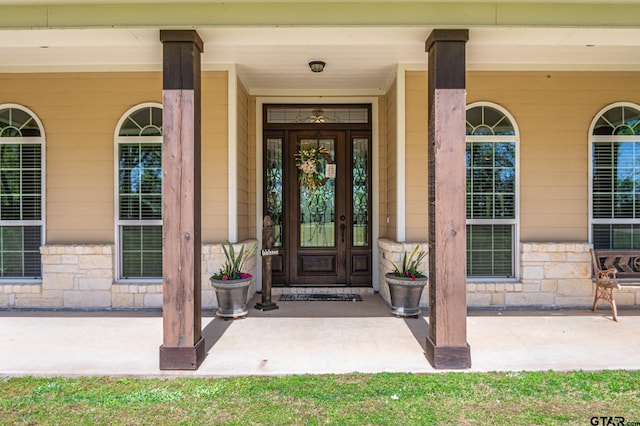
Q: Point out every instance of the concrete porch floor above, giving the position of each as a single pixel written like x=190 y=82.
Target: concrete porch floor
x=313 y=338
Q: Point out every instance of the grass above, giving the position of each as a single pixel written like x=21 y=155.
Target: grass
x=526 y=398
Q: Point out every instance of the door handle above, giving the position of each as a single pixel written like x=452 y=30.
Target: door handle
x=342 y=228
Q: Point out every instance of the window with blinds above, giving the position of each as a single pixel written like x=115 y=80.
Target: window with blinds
x=615 y=178
x=139 y=193
x=21 y=194
x=491 y=192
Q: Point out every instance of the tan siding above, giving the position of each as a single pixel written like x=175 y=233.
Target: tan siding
x=388 y=159
x=79 y=112
x=215 y=170
x=252 y=140
x=553 y=111
x=416 y=156
x=243 y=163
x=385 y=121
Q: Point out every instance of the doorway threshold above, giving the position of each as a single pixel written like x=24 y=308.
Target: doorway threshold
x=322 y=290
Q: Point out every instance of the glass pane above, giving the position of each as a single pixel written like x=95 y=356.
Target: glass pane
x=504 y=206
x=490 y=251
x=274 y=173
x=140 y=190
x=622 y=236
x=143 y=122
x=142 y=251
x=15 y=123
x=20 y=251
x=491 y=178
x=482 y=154
x=620 y=121
x=318 y=115
x=20 y=182
x=505 y=154
x=10 y=156
x=360 y=206
x=482 y=180
x=616 y=237
x=616 y=174
x=317 y=194
x=485 y=121
x=602 y=236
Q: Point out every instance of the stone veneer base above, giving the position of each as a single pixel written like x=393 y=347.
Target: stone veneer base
x=552 y=275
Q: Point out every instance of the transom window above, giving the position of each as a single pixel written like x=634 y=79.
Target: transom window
x=317 y=115
x=615 y=178
x=491 y=192
x=21 y=193
x=139 y=193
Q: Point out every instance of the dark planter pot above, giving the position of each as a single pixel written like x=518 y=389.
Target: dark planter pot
x=232 y=297
x=405 y=295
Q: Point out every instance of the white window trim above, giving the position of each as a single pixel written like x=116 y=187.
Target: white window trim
x=516 y=220
x=42 y=222
x=116 y=192
x=605 y=138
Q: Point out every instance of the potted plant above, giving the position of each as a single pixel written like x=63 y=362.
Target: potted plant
x=406 y=283
x=231 y=284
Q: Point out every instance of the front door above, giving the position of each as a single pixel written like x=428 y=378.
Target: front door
x=318 y=238
x=323 y=230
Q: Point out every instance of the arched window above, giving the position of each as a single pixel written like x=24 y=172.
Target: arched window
x=615 y=177
x=21 y=193
x=492 y=192
x=139 y=193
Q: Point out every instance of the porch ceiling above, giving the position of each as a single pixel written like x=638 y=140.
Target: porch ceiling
x=359 y=59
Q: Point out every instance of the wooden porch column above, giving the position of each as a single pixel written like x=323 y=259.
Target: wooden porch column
x=183 y=346
x=447 y=346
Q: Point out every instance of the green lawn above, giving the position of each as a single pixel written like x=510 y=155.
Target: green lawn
x=545 y=398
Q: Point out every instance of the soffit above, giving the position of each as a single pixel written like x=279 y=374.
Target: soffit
x=359 y=59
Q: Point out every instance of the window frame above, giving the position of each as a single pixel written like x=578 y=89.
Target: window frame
x=515 y=222
x=121 y=223
x=30 y=140
x=610 y=139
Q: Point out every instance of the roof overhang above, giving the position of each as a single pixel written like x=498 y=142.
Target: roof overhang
x=363 y=43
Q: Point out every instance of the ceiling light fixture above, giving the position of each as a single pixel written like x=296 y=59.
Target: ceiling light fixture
x=317 y=66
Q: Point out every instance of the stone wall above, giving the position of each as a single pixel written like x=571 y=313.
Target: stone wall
x=553 y=275
x=83 y=277
x=74 y=276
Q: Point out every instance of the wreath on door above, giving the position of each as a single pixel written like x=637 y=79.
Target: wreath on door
x=308 y=160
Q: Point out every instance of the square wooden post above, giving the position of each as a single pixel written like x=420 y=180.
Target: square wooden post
x=183 y=346
x=447 y=346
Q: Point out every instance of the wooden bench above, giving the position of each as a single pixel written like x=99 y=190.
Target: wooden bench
x=608 y=267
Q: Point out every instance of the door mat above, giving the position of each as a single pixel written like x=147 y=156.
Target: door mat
x=350 y=297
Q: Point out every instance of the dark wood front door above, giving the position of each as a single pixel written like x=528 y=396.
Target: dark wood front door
x=318 y=193
x=317 y=242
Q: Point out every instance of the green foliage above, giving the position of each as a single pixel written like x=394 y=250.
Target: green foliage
x=410 y=267
x=232 y=267
x=309 y=161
